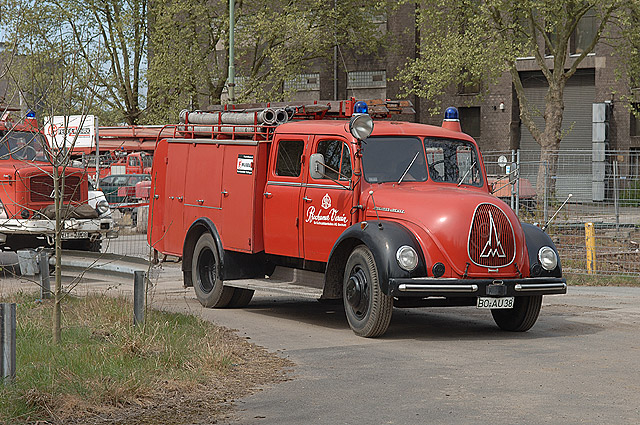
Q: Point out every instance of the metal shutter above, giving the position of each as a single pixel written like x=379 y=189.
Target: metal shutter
x=574 y=168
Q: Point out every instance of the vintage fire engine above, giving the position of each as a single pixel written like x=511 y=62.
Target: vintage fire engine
x=393 y=215
x=27 y=211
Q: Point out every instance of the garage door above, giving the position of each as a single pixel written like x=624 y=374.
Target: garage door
x=574 y=168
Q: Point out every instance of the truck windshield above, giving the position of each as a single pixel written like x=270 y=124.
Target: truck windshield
x=453 y=161
x=22 y=145
x=387 y=159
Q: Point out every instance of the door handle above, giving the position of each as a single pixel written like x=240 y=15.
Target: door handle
x=267 y=194
x=306 y=199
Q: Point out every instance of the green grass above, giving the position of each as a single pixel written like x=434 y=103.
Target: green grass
x=102 y=359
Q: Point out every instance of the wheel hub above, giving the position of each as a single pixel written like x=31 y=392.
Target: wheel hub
x=355 y=289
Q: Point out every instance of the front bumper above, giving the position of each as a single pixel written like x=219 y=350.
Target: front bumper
x=70 y=227
x=431 y=287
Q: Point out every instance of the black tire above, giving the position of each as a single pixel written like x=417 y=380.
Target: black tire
x=521 y=317
x=205 y=269
x=367 y=308
x=83 y=245
x=241 y=297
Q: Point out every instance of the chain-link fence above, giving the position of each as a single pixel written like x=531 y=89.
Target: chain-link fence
x=605 y=191
x=131 y=225
x=602 y=188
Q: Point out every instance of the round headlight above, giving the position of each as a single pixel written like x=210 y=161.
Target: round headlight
x=361 y=126
x=407 y=257
x=548 y=258
x=102 y=207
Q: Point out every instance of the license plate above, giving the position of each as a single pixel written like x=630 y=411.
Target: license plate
x=495 y=303
x=75 y=235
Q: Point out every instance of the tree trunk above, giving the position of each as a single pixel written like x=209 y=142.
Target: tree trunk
x=550 y=141
x=57 y=310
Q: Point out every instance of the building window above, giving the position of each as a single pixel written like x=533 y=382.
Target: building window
x=635 y=120
x=366 y=79
x=303 y=82
x=469 y=84
x=584 y=33
x=470 y=120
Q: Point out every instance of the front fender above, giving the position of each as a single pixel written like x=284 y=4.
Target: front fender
x=383 y=241
x=536 y=239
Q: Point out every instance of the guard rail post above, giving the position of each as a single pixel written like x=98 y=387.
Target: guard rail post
x=45 y=279
x=8 y=342
x=590 y=243
x=139 y=280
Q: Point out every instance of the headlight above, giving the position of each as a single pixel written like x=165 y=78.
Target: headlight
x=102 y=207
x=361 y=126
x=548 y=258
x=407 y=257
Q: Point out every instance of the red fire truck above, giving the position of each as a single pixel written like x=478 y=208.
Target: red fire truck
x=395 y=214
x=27 y=212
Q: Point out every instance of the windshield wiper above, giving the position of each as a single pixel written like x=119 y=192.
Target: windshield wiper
x=467 y=173
x=407 y=169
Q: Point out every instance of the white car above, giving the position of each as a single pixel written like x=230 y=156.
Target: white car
x=98 y=201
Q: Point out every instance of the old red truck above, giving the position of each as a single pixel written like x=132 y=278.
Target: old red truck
x=27 y=213
x=392 y=214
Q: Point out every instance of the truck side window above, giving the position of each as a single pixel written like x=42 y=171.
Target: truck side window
x=336 y=159
x=289 y=153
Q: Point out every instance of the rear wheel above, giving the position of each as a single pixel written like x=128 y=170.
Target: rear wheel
x=205 y=269
x=521 y=317
x=241 y=297
x=367 y=308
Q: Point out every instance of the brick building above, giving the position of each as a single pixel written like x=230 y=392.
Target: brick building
x=493 y=117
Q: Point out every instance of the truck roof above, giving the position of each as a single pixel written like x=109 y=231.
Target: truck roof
x=379 y=128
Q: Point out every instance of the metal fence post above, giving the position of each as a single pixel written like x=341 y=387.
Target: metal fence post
x=512 y=197
x=546 y=176
x=616 y=200
x=45 y=280
x=590 y=243
x=139 y=280
x=8 y=342
x=518 y=183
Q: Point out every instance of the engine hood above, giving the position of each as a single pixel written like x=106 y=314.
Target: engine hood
x=472 y=232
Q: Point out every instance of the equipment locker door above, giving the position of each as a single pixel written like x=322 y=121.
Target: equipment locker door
x=282 y=197
x=327 y=201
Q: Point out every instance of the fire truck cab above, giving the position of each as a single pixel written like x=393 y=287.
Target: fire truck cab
x=393 y=214
x=27 y=211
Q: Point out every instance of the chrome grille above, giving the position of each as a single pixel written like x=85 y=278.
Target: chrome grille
x=41 y=188
x=491 y=238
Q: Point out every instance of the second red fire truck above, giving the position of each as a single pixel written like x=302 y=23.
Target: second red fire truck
x=391 y=214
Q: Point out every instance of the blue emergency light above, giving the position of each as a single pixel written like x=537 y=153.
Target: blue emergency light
x=31 y=114
x=451 y=114
x=360 y=107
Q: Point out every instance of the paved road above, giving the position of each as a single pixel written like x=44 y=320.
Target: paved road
x=579 y=364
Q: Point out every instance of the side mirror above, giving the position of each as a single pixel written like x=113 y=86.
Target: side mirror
x=316 y=166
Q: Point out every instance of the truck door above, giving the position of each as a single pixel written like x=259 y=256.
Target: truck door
x=327 y=201
x=282 y=197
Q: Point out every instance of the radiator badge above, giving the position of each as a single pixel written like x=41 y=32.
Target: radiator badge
x=492 y=247
x=326 y=216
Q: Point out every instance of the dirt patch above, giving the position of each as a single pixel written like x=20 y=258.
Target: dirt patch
x=206 y=402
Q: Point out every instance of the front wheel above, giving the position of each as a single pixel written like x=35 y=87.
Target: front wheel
x=521 y=317
x=205 y=269
x=367 y=308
